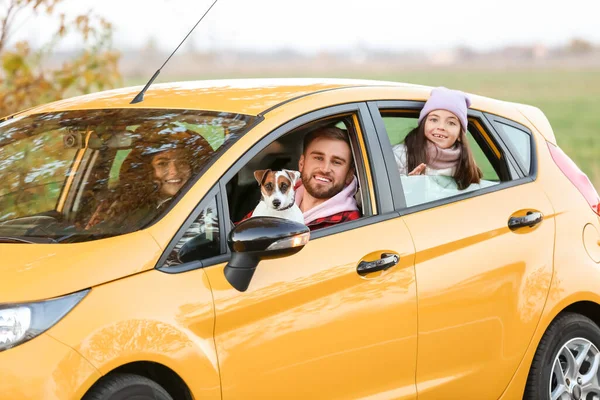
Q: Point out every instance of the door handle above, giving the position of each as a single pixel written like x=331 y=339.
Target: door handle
x=531 y=219
x=386 y=261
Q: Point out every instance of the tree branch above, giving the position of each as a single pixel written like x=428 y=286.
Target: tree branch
x=6 y=25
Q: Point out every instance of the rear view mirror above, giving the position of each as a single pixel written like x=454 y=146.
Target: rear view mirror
x=120 y=140
x=81 y=139
x=261 y=238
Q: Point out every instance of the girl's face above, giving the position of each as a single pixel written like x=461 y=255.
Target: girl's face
x=442 y=128
x=172 y=170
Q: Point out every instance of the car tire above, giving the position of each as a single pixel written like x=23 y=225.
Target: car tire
x=569 y=334
x=126 y=387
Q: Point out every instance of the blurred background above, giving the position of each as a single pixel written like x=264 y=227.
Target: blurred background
x=542 y=53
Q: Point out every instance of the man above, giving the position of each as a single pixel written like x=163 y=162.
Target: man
x=325 y=192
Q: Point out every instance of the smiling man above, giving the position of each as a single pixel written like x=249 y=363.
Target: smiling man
x=326 y=193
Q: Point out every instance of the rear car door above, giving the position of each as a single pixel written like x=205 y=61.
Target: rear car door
x=309 y=325
x=483 y=258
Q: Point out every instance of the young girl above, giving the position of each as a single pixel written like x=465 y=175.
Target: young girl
x=438 y=145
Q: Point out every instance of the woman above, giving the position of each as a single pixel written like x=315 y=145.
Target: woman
x=149 y=178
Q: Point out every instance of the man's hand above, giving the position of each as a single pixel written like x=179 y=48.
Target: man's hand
x=419 y=170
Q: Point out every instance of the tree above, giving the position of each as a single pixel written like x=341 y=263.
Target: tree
x=27 y=80
x=579 y=46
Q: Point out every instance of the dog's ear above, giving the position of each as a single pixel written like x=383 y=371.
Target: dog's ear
x=294 y=175
x=260 y=175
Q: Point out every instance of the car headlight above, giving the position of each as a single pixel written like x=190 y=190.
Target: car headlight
x=22 y=322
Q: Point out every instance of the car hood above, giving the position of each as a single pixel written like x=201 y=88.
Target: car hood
x=30 y=272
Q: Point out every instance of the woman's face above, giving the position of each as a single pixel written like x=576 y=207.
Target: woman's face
x=172 y=170
x=442 y=128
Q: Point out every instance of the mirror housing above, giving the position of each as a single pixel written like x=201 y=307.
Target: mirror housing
x=261 y=238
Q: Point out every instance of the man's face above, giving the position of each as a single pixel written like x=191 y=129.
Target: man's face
x=325 y=167
x=172 y=170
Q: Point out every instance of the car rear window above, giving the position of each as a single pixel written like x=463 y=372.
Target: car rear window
x=86 y=174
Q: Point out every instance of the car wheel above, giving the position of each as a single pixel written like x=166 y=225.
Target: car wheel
x=566 y=363
x=126 y=387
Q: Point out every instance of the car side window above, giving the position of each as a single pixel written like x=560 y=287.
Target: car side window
x=201 y=239
x=398 y=127
x=243 y=191
x=421 y=189
x=520 y=141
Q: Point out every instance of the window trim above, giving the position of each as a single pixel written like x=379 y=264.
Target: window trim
x=73 y=180
x=362 y=168
x=394 y=175
x=215 y=193
x=490 y=148
x=388 y=156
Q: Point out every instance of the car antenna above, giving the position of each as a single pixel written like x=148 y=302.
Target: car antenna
x=140 y=96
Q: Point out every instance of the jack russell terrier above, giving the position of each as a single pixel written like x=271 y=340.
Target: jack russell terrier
x=278 y=194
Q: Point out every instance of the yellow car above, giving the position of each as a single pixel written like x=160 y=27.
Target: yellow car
x=125 y=271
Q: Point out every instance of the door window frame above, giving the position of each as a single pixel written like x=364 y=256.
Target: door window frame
x=514 y=169
x=214 y=192
x=381 y=185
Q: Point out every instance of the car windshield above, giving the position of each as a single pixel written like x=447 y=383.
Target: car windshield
x=87 y=174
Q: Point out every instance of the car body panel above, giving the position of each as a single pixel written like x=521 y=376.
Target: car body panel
x=576 y=277
x=156 y=317
x=32 y=272
x=539 y=120
x=243 y=96
x=311 y=318
x=44 y=368
x=478 y=314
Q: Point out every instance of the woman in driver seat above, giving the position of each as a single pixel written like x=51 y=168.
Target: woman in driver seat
x=150 y=177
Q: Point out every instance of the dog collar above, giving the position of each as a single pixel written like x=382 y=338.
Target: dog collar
x=291 y=204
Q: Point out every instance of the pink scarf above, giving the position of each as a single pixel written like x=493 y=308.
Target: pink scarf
x=438 y=158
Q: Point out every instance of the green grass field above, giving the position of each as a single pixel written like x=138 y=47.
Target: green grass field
x=569 y=98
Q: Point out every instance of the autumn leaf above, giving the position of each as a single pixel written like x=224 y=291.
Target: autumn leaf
x=26 y=79
x=12 y=62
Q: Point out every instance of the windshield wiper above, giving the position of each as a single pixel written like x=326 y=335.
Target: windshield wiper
x=26 y=239
x=83 y=237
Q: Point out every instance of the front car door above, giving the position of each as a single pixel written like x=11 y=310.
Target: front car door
x=309 y=325
x=481 y=285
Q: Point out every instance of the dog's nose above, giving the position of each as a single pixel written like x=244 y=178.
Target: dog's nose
x=276 y=203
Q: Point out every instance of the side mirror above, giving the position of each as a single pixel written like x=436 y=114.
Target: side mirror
x=261 y=238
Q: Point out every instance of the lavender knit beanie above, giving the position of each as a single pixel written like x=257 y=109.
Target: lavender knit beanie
x=450 y=100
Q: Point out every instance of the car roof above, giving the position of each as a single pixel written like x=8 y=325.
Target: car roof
x=257 y=96
x=240 y=96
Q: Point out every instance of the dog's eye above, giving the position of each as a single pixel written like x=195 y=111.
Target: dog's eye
x=269 y=186
x=283 y=187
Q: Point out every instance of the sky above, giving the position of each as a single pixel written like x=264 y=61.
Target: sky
x=312 y=26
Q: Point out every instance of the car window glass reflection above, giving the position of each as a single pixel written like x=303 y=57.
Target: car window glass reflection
x=80 y=175
x=200 y=241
